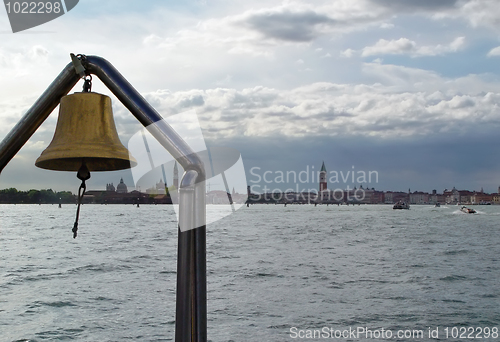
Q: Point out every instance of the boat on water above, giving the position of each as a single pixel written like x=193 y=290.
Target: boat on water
x=401 y=205
x=467 y=210
x=437 y=205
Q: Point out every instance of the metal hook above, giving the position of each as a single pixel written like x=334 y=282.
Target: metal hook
x=79 y=69
x=87 y=85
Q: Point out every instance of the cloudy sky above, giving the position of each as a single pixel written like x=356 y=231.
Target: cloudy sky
x=409 y=89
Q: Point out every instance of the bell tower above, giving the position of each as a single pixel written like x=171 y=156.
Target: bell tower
x=322 y=178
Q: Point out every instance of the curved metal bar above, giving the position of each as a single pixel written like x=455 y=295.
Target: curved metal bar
x=37 y=114
x=145 y=113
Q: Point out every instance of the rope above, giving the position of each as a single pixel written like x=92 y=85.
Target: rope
x=83 y=174
x=80 y=198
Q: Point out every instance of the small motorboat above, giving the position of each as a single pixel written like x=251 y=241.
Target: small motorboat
x=467 y=210
x=401 y=205
x=437 y=205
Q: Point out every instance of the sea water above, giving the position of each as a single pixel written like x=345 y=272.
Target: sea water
x=275 y=273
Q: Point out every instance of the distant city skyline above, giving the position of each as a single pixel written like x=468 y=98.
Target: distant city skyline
x=362 y=195
x=309 y=178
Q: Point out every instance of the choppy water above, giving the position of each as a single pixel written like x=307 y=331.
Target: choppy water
x=270 y=269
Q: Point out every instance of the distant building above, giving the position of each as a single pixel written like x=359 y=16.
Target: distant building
x=455 y=196
x=419 y=197
x=159 y=189
x=448 y=196
x=110 y=187
x=372 y=196
x=217 y=197
x=322 y=178
x=122 y=187
x=392 y=197
x=465 y=196
x=437 y=198
x=481 y=198
x=388 y=199
x=223 y=197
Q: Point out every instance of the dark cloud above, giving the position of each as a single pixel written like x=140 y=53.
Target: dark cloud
x=230 y=117
x=465 y=103
x=410 y=5
x=288 y=26
x=437 y=162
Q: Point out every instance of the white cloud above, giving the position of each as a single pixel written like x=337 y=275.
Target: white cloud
x=402 y=105
x=481 y=13
x=348 y=53
x=258 y=31
x=152 y=40
x=455 y=45
x=382 y=47
x=38 y=51
x=494 y=52
x=406 y=46
x=402 y=101
x=398 y=78
x=386 y=26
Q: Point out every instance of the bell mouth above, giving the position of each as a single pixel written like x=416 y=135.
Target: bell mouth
x=93 y=164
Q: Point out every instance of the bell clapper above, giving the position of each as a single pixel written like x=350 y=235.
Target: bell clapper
x=83 y=174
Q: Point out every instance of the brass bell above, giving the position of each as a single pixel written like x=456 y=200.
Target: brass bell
x=85 y=134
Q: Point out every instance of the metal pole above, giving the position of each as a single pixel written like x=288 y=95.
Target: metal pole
x=191 y=308
x=37 y=114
